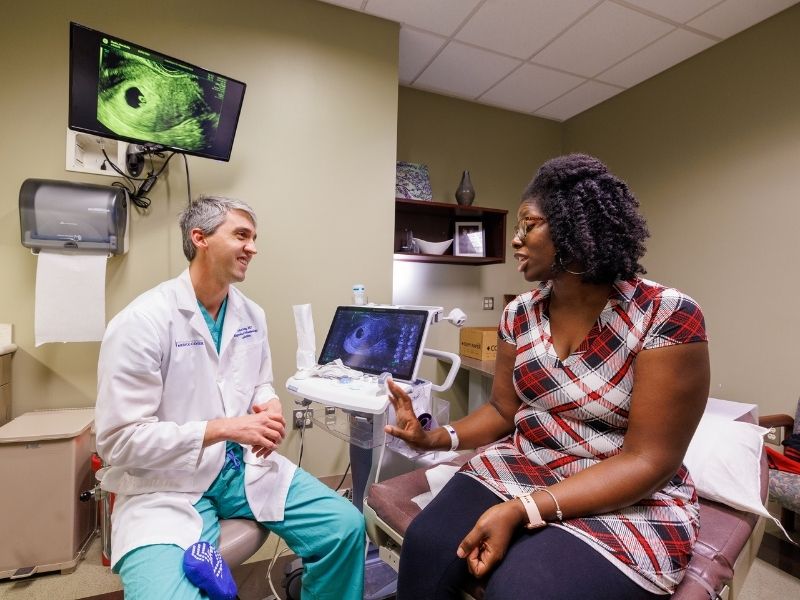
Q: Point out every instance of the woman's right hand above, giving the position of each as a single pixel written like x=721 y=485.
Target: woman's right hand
x=408 y=427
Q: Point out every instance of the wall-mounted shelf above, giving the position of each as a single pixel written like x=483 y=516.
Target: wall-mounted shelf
x=435 y=222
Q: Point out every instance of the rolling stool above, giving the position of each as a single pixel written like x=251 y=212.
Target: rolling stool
x=239 y=539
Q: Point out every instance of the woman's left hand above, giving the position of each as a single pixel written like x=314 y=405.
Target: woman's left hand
x=486 y=544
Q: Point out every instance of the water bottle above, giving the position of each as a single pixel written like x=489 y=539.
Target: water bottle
x=359 y=294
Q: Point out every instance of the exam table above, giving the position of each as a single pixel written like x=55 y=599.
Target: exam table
x=727 y=544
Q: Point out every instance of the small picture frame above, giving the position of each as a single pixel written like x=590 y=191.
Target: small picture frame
x=469 y=239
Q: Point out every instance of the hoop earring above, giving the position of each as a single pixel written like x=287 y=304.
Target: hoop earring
x=566 y=270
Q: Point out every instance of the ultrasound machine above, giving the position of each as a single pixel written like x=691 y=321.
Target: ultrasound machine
x=347 y=388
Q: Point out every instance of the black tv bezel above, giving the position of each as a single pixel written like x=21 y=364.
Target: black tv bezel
x=100 y=131
x=419 y=343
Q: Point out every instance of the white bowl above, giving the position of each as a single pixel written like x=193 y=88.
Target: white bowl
x=426 y=247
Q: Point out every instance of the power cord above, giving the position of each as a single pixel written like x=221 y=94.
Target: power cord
x=275 y=557
x=302 y=431
x=346 y=471
x=138 y=193
x=299 y=461
x=188 y=181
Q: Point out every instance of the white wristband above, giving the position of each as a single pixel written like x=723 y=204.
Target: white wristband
x=453 y=436
x=535 y=520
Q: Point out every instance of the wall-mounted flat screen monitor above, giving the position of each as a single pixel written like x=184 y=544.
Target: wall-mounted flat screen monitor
x=123 y=91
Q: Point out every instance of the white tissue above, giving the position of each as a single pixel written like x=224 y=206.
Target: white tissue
x=306 y=342
x=70 y=297
x=437 y=477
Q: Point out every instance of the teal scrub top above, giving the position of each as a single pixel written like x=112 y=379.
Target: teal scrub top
x=215 y=327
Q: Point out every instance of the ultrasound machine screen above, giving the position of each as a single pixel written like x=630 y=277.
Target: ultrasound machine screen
x=376 y=340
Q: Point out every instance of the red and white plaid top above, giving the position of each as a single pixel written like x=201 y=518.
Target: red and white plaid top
x=574 y=414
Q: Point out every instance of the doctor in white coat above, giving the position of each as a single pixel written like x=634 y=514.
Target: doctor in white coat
x=188 y=421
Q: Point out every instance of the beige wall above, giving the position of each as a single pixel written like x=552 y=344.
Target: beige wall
x=712 y=149
x=501 y=149
x=314 y=155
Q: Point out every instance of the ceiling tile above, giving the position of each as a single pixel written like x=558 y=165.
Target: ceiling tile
x=530 y=87
x=602 y=38
x=655 y=58
x=520 y=27
x=465 y=71
x=417 y=48
x=676 y=10
x=578 y=100
x=734 y=16
x=442 y=16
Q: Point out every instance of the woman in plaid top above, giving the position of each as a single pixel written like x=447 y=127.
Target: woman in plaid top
x=601 y=378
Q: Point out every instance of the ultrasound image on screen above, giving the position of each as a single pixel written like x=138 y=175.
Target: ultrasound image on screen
x=376 y=340
x=157 y=99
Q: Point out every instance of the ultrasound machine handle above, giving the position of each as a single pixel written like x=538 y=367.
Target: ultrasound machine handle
x=455 y=364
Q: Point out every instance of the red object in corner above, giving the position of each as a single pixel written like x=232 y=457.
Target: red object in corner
x=104 y=515
x=780 y=462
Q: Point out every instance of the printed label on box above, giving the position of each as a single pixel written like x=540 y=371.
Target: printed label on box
x=479 y=343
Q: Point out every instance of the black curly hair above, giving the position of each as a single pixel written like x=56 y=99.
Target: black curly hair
x=593 y=217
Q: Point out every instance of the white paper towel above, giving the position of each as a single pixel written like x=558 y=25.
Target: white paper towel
x=306 y=342
x=70 y=297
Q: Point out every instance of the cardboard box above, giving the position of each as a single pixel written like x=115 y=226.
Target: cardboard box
x=479 y=343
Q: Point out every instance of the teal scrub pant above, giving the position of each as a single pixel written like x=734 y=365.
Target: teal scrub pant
x=320 y=526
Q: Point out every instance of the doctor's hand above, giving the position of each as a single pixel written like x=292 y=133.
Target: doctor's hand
x=263 y=430
x=274 y=407
x=408 y=427
x=486 y=544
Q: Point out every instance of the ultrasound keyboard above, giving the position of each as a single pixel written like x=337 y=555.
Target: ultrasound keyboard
x=356 y=395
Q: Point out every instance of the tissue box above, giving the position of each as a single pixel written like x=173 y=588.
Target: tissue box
x=479 y=343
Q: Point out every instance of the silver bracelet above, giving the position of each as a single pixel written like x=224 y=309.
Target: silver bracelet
x=453 y=436
x=559 y=514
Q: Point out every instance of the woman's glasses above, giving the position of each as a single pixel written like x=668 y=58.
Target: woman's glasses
x=525 y=225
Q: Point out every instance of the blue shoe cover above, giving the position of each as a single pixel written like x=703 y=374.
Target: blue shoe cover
x=206 y=569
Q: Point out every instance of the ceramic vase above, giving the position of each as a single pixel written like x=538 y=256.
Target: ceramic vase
x=465 y=193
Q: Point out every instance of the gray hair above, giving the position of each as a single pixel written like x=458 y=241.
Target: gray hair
x=207 y=213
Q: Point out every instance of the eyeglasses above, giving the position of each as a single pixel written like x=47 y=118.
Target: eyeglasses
x=525 y=225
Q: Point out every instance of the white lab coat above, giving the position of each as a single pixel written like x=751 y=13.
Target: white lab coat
x=160 y=380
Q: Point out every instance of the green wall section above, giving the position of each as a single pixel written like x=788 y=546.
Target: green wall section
x=314 y=155
x=502 y=150
x=711 y=147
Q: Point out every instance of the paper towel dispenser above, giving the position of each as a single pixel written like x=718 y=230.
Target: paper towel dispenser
x=73 y=216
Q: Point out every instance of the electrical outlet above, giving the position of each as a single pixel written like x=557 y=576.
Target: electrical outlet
x=330 y=416
x=488 y=303
x=773 y=436
x=303 y=418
